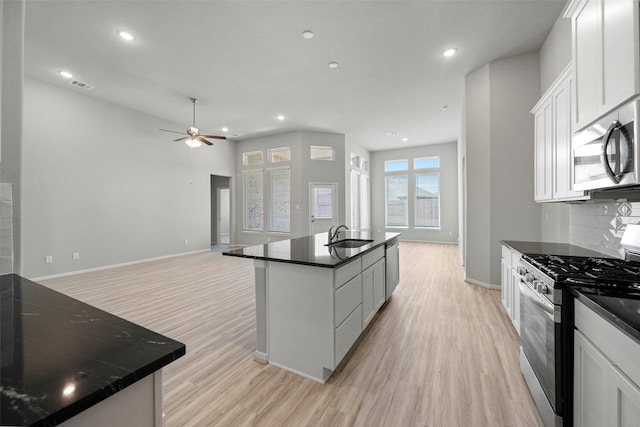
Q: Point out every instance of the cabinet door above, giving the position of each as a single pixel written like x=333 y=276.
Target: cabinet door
x=625 y=401
x=543 y=153
x=587 y=60
x=590 y=385
x=619 y=38
x=515 y=298
x=367 y=296
x=562 y=178
x=378 y=284
x=506 y=286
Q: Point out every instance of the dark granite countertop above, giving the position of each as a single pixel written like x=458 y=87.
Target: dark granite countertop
x=311 y=250
x=623 y=313
x=49 y=341
x=551 y=249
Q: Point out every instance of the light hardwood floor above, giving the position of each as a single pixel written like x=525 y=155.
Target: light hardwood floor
x=441 y=353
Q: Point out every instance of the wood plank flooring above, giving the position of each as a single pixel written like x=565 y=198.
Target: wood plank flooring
x=441 y=353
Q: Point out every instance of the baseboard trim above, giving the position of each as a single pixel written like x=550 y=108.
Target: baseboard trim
x=483 y=284
x=428 y=241
x=123 y=264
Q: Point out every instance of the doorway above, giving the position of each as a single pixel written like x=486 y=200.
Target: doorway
x=323 y=207
x=220 y=211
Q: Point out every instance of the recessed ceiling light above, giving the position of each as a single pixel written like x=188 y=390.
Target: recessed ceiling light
x=281 y=117
x=444 y=107
x=450 y=52
x=225 y=129
x=333 y=65
x=65 y=74
x=125 y=35
x=307 y=34
x=405 y=139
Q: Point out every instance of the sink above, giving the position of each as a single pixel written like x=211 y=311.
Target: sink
x=349 y=243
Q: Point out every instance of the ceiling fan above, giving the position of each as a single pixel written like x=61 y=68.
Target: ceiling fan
x=194 y=138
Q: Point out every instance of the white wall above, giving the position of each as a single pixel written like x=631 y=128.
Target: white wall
x=101 y=180
x=303 y=171
x=499 y=158
x=448 y=231
x=11 y=71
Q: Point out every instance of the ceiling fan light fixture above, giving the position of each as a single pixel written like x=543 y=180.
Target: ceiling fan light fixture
x=193 y=143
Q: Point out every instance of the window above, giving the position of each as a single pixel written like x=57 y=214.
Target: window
x=364 y=202
x=396 y=196
x=278 y=155
x=355 y=160
x=427 y=200
x=280 y=213
x=253 y=200
x=426 y=163
x=253 y=158
x=322 y=202
x=396 y=165
x=355 y=200
x=321 y=153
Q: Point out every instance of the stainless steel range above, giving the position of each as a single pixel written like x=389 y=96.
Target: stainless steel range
x=546 y=318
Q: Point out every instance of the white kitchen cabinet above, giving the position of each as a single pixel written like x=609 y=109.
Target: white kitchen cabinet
x=510 y=286
x=606 y=373
x=373 y=293
x=605 y=56
x=553 y=166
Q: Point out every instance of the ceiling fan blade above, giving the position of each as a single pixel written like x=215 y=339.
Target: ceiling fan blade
x=181 y=139
x=172 y=131
x=214 y=136
x=204 y=141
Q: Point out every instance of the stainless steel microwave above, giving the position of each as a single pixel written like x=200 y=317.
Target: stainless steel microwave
x=604 y=154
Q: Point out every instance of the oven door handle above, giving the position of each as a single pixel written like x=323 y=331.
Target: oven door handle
x=538 y=300
x=603 y=156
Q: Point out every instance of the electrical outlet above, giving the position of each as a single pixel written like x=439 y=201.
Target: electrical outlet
x=48 y=259
x=76 y=255
x=186 y=241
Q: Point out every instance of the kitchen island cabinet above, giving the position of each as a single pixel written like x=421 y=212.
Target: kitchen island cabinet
x=64 y=362
x=314 y=301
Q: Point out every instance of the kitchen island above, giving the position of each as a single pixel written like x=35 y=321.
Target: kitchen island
x=64 y=362
x=313 y=300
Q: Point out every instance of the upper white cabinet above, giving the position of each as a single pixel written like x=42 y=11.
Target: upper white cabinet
x=553 y=168
x=605 y=56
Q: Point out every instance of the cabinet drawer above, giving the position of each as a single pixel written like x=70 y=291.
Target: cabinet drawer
x=347 y=333
x=347 y=272
x=506 y=254
x=347 y=298
x=370 y=258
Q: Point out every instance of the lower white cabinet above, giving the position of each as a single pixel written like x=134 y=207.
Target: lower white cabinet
x=510 y=285
x=373 y=290
x=605 y=360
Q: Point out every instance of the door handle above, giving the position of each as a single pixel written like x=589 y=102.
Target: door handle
x=603 y=156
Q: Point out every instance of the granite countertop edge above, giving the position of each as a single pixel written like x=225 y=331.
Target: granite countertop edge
x=621 y=324
x=357 y=252
x=529 y=247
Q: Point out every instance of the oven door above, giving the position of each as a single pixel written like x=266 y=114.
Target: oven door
x=538 y=339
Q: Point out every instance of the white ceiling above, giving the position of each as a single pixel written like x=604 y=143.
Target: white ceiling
x=246 y=61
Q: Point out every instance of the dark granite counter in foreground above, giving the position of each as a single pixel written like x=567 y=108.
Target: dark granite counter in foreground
x=312 y=250
x=551 y=249
x=623 y=313
x=60 y=356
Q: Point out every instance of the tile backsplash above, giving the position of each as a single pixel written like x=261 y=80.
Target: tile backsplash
x=6 y=228
x=600 y=226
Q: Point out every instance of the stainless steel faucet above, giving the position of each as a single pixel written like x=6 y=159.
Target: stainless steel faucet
x=333 y=235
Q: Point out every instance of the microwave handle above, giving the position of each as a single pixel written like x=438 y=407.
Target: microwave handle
x=603 y=156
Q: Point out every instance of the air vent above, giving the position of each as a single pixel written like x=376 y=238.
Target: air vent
x=81 y=85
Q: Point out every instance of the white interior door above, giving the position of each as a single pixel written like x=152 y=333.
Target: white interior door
x=323 y=207
x=224 y=206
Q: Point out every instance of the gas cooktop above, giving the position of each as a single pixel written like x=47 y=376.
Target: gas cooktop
x=601 y=276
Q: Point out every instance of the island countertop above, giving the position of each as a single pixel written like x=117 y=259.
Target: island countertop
x=60 y=356
x=312 y=250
